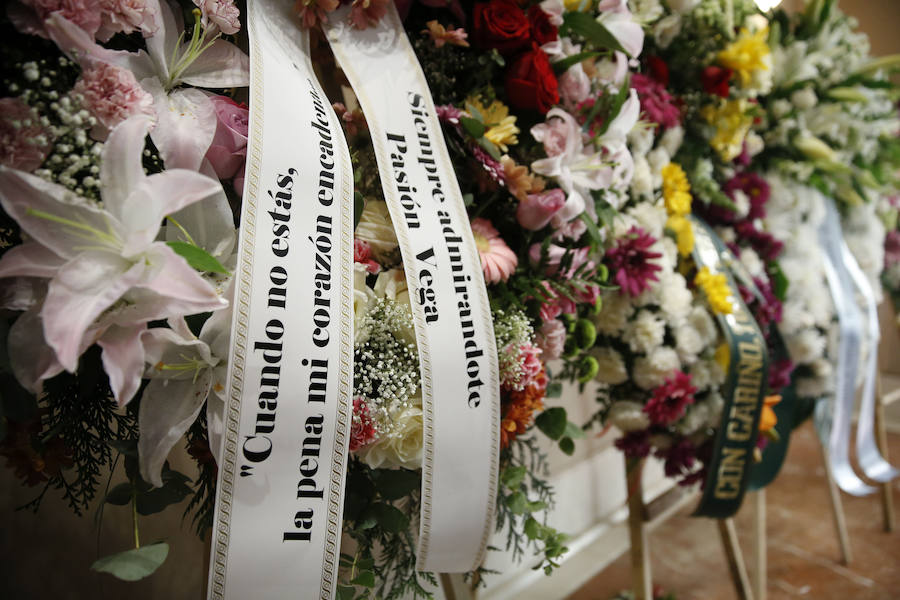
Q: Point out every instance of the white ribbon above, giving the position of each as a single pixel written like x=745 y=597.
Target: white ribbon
x=451 y=312
x=845 y=278
x=279 y=499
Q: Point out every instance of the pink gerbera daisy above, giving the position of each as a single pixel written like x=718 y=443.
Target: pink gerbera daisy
x=497 y=260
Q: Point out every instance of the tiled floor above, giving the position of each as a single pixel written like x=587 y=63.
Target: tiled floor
x=802 y=544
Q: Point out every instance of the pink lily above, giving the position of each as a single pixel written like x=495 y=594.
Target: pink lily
x=108 y=276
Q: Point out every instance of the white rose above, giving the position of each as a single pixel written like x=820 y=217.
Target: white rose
x=612 y=367
x=667 y=29
x=375 y=227
x=402 y=446
x=628 y=416
x=652 y=370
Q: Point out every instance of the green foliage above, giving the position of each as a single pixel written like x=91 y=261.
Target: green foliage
x=134 y=564
x=592 y=31
x=197 y=257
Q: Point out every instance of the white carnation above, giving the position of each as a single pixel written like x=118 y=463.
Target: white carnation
x=615 y=311
x=612 y=369
x=806 y=346
x=671 y=140
x=706 y=374
x=651 y=216
x=645 y=332
x=752 y=262
x=675 y=298
x=641 y=180
x=652 y=370
x=700 y=319
x=628 y=416
x=696 y=417
x=688 y=342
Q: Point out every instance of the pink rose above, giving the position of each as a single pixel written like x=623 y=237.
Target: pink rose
x=24 y=143
x=228 y=150
x=28 y=16
x=536 y=210
x=551 y=339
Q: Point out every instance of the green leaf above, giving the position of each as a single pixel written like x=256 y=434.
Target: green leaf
x=345 y=592
x=567 y=446
x=151 y=500
x=359 y=204
x=592 y=229
x=468 y=200
x=473 y=127
x=565 y=64
x=780 y=282
x=574 y=431
x=197 y=257
x=533 y=529
x=120 y=495
x=517 y=503
x=489 y=147
x=393 y=484
x=591 y=30
x=554 y=390
x=389 y=518
x=535 y=506
x=512 y=476
x=365 y=579
x=552 y=422
x=135 y=564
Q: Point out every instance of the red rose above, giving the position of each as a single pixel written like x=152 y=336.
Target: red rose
x=530 y=82
x=500 y=24
x=659 y=70
x=542 y=30
x=715 y=80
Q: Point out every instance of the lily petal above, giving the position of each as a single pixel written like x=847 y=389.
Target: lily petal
x=185 y=127
x=222 y=65
x=30 y=259
x=80 y=47
x=161 y=45
x=30 y=358
x=121 y=169
x=123 y=360
x=168 y=408
x=156 y=197
x=210 y=224
x=84 y=287
x=22 y=195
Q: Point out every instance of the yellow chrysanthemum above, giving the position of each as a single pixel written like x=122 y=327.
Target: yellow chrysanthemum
x=501 y=126
x=723 y=356
x=676 y=190
x=684 y=234
x=732 y=121
x=746 y=55
x=715 y=286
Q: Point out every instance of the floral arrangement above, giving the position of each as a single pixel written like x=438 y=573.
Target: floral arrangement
x=587 y=137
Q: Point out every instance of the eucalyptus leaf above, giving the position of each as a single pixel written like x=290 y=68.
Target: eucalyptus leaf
x=134 y=564
x=474 y=127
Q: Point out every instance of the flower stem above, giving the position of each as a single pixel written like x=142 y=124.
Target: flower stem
x=134 y=518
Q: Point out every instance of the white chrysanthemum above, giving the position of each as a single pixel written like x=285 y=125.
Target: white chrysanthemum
x=753 y=263
x=641 y=180
x=706 y=374
x=806 y=346
x=614 y=313
x=715 y=403
x=652 y=370
x=645 y=332
x=640 y=141
x=696 y=417
x=658 y=158
x=651 y=216
x=671 y=140
x=675 y=299
x=700 y=319
x=688 y=342
x=375 y=227
x=612 y=369
x=628 y=416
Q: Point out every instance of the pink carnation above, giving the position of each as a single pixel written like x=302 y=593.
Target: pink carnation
x=126 y=16
x=497 y=260
x=28 y=16
x=656 y=102
x=531 y=364
x=362 y=426
x=112 y=94
x=24 y=142
x=551 y=339
x=222 y=14
x=535 y=212
x=362 y=254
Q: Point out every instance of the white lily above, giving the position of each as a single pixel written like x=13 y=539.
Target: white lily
x=108 y=275
x=185 y=371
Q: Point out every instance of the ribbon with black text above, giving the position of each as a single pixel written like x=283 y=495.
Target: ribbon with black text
x=451 y=312
x=279 y=502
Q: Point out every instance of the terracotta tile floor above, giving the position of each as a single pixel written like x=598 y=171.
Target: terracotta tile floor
x=802 y=545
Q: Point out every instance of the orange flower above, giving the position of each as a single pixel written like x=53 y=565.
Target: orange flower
x=519 y=181
x=517 y=413
x=441 y=35
x=768 y=419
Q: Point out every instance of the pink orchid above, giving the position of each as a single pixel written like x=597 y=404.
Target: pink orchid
x=108 y=275
x=185 y=371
